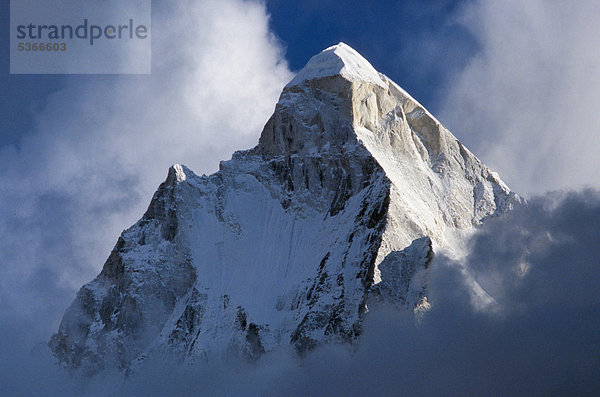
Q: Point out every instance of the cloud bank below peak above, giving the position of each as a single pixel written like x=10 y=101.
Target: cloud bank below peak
x=540 y=337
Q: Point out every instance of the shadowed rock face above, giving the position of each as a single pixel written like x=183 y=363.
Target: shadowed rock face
x=351 y=187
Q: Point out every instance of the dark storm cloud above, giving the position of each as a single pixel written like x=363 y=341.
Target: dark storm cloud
x=542 y=254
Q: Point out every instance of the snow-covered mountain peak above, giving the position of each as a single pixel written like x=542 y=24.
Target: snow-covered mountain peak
x=340 y=59
x=351 y=188
x=178 y=173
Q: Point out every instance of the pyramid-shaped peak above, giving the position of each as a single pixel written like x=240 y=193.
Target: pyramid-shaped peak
x=349 y=192
x=340 y=59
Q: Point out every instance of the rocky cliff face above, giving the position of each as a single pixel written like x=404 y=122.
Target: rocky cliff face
x=352 y=186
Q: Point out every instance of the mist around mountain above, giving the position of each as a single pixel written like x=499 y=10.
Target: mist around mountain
x=487 y=326
x=538 y=338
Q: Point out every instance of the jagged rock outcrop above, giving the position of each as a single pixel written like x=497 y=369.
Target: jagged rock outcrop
x=352 y=186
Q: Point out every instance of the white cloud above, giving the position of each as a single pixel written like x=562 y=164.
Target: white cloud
x=527 y=102
x=103 y=144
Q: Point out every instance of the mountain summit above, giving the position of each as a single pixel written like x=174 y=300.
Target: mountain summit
x=351 y=188
x=341 y=60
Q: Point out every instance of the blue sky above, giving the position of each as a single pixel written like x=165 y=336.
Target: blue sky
x=418 y=44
